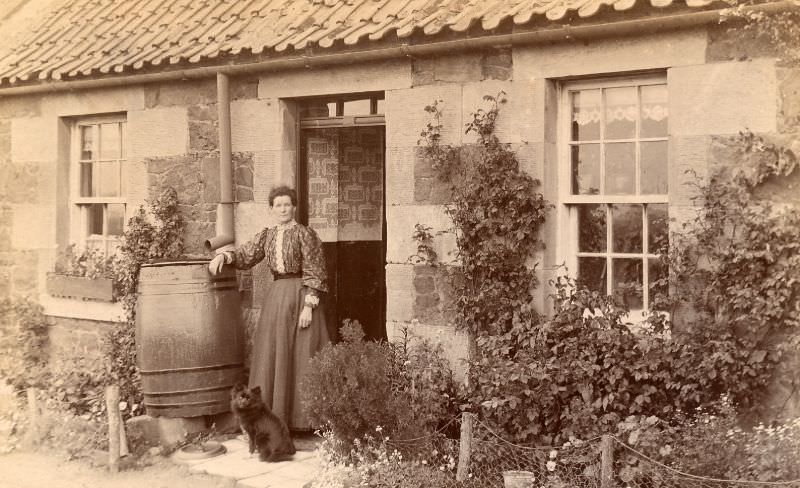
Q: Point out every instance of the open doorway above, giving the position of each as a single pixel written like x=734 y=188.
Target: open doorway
x=341 y=196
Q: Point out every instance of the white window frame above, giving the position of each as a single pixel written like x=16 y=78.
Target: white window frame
x=567 y=210
x=79 y=210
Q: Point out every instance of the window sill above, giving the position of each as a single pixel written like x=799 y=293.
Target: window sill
x=82 y=309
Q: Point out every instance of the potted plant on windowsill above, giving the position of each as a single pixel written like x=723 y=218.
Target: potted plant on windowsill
x=87 y=275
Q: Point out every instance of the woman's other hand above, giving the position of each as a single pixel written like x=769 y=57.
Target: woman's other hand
x=305 y=318
x=215 y=266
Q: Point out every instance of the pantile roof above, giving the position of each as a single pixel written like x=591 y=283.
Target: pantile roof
x=79 y=38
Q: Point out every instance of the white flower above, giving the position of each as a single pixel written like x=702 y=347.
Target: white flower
x=553 y=454
x=551 y=465
x=379 y=429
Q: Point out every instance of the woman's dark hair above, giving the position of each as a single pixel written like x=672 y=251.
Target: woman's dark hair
x=282 y=191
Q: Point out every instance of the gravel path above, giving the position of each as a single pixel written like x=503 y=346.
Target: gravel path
x=36 y=470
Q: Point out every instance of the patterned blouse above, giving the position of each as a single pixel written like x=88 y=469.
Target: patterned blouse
x=289 y=248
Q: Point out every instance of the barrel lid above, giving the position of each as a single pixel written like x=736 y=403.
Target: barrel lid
x=175 y=262
x=202 y=450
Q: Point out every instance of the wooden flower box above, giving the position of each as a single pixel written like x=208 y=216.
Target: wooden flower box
x=77 y=287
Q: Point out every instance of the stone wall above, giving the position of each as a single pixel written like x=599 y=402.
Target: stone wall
x=21 y=185
x=718 y=83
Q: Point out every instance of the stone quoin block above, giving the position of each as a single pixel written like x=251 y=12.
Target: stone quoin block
x=256 y=125
x=507 y=128
x=705 y=99
x=158 y=132
x=399 y=292
x=34 y=139
x=406 y=116
x=400 y=165
x=400 y=226
x=33 y=227
x=89 y=102
x=266 y=173
x=612 y=55
x=376 y=76
x=688 y=156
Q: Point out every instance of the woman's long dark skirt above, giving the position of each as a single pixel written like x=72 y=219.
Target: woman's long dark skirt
x=282 y=350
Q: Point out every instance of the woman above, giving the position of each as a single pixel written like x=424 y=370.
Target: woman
x=291 y=328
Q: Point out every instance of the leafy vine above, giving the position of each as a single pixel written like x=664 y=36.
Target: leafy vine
x=496 y=212
x=143 y=241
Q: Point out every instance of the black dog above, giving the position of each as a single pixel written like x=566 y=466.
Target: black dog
x=267 y=433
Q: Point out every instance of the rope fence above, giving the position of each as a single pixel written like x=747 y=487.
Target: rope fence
x=482 y=458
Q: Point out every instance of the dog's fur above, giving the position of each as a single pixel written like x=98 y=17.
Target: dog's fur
x=267 y=433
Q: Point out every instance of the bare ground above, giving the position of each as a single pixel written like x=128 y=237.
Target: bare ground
x=38 y=470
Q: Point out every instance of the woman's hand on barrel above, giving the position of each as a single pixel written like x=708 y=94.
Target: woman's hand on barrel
x=215 y=266
x=305 y=318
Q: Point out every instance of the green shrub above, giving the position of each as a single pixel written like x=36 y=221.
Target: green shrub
x=23 y=339
x=374 y=460
x=582 y=371
x=709 y=444
x=143 y=241
x=354 y=386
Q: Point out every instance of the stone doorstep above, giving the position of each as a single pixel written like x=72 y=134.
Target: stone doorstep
x=237 y=464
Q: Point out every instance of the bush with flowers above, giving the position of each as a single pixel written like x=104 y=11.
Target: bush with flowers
x=407 y=387
x=374 y=460
x=711 y=444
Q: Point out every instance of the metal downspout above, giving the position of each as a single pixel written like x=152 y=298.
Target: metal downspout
x=224 y=227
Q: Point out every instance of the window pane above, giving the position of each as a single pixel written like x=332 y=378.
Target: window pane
x=109 y=179
x=621 y=113
x=94 y=219
x=381 y=106
x=109 y=141
x=620 y=169
x=586 y=106
x=357 y=107
x=116 y=218
x=592 y=228
x=626 y=228
x=86 y=180
x=654 y=168
x=627 y=282
x=654 y=111
x=657 y=227
x=586 y=169
x=592 y=273
x=87 y=142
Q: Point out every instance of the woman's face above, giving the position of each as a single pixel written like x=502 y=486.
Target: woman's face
x=283 y=208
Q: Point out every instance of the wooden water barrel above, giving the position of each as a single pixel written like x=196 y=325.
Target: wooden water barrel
x=189 y=338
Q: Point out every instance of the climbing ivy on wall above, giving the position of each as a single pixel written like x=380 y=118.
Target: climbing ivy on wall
x=733 y=293
x=496 y=213
x=145 y=239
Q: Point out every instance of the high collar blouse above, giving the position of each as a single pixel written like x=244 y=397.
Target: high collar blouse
x=287 y=249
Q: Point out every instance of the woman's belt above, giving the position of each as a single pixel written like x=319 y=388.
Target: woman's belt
x=276 y=276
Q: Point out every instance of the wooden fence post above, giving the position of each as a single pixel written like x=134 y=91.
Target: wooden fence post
x=33 y=416
x=607 y=461
x=112 y=410
x=465 y=447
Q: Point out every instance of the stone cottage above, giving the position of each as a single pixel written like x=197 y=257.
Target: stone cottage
x=103 y=102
